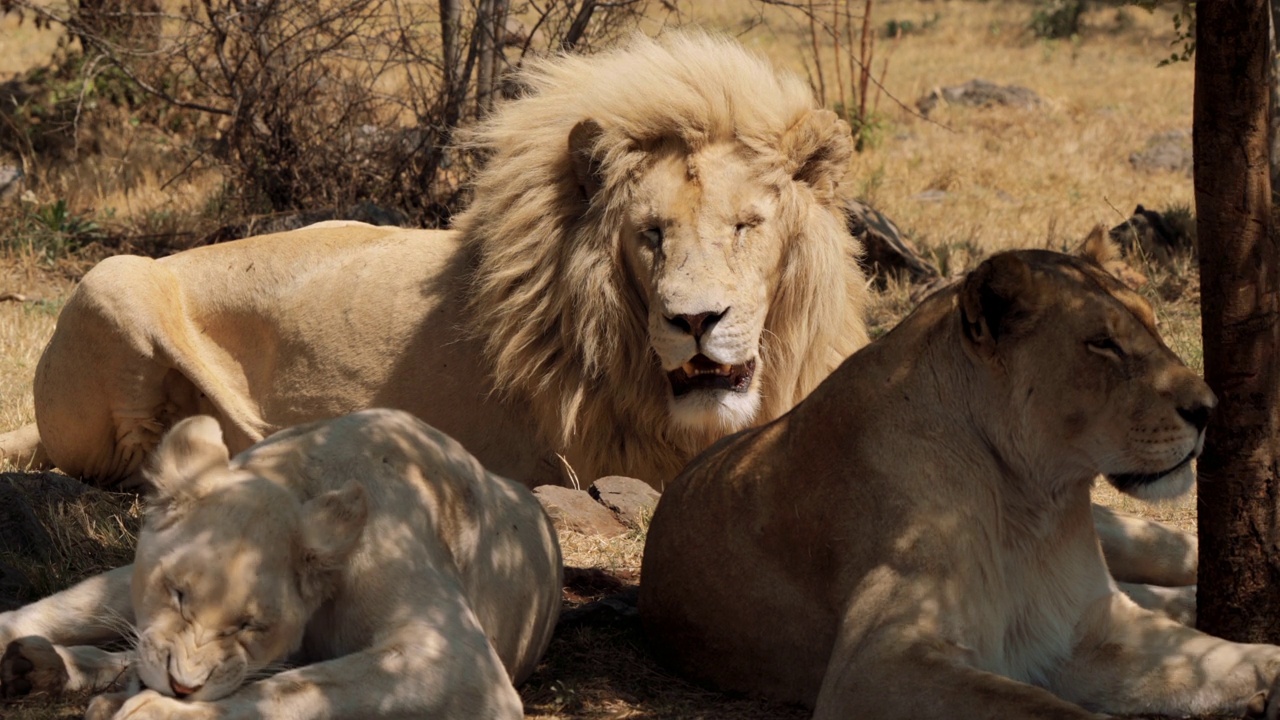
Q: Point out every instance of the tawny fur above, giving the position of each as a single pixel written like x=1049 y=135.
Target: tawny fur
x=915 y=539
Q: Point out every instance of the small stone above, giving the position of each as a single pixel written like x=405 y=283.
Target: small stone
x=571 y=509
x=631 y=500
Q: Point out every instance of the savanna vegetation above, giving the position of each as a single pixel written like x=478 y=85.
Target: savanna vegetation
x=157 y=125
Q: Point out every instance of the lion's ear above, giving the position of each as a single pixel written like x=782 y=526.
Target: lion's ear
x=1099 y=248
x=331 y=525
x=179 y=469
x=998 y=300
x=582 y=149
x=817 y=150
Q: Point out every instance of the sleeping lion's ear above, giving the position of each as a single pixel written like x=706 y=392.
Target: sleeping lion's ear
x=998 y=300
x=180 y=466
x=817 y=150
x=331 y=525
x=582 y=150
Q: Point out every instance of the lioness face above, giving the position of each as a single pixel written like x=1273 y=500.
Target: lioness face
x=216 y=593
x=1094 y=385
x=703 y=243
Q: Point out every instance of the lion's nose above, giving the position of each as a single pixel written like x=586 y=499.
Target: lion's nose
x=699 y=324
x=1197 y=413
x=181 y=691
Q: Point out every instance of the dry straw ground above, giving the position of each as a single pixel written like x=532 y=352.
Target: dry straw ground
x=1008 y=178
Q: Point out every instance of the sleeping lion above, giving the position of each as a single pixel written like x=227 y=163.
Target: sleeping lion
x=915 y=540
x=372 y=553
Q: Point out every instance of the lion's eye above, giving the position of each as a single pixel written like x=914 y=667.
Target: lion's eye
x=1106 y=346
x=653 y=237
x=178 y=596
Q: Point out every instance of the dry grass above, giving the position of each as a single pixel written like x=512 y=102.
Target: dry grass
x=1012 y=178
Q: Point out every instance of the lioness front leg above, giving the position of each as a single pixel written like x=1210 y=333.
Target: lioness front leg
x=93 y=611
x=46 y=644
x=33 y=665
x=1131 y=660
x=894 y=677
x=422 y=670
x=1144 y=551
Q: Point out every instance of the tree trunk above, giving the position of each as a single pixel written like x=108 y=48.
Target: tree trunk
x=450 y=32
x=1275 y=97
x=1240 y=297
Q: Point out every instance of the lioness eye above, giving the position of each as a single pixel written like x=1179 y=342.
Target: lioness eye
x=653 y=236
x=1106 y=346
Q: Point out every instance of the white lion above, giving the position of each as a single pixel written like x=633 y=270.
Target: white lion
x=371 y=551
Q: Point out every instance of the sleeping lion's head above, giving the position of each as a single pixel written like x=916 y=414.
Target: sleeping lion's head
x=661 y=252
x=1085 y=379
x=229 y=566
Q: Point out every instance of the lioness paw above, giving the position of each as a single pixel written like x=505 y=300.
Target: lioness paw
x=151 y=705
x=104 y=707
x=31 y=665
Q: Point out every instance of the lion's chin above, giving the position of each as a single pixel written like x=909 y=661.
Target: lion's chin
x=715 y=411
x=1166 y=485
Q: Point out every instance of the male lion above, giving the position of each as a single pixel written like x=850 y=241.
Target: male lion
x=655 y=256
x=914 y=539
x=372 y=551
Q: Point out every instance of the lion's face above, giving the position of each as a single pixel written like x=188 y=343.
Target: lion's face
x=226 y=575
x=703 y=241
x=1111 y=398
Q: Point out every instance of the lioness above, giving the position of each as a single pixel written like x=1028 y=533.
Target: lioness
x=656 y=256
x=917 y=531
x=373 y=552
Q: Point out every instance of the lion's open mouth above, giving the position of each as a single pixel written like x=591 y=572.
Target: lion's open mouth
x=1128 y=481
x=703 y=373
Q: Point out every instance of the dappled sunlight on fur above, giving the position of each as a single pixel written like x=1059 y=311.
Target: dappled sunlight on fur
x=921 y=525
x=365 y=565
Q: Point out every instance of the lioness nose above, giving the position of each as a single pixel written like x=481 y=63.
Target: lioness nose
x=1196 y=414
x=181 y=691
x=697 y=325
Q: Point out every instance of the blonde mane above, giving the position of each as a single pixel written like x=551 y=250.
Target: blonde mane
x=563 y=323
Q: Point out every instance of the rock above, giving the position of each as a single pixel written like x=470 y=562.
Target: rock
x=11 y=182
x=632 y=501
x=1166 y=152
x=979 y=93
x=571 y=509
x=885 y=249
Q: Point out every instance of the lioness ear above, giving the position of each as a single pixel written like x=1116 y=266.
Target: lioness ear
x=817 y=150
x=997 y=301
x=1098 y=247
x=331 y=525
x=184 y=457
x=582 y=149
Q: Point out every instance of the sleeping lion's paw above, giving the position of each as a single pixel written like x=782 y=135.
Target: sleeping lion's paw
x=30 y=665
x=105 y=707
x=151 y=705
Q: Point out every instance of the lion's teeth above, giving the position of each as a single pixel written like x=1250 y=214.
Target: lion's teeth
x=689 y=369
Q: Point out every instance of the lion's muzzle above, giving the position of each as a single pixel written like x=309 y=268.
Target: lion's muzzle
x=703 y=373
